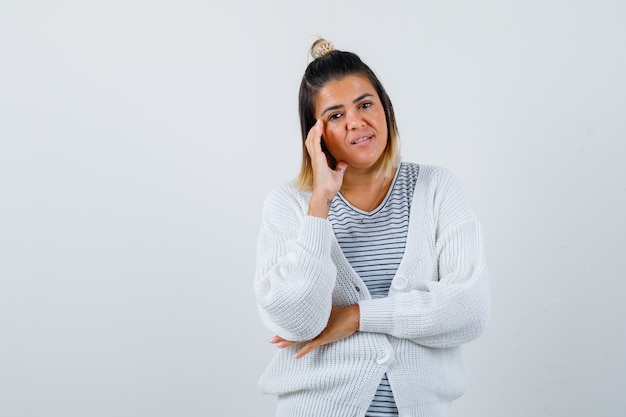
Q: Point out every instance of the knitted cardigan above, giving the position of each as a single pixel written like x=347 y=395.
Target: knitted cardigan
x=439 y=299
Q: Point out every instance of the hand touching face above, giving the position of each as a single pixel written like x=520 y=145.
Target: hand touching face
x=326 y=181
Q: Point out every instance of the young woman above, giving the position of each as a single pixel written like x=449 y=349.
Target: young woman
x=370 y=271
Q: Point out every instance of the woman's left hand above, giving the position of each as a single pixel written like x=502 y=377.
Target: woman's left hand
x=343 y=322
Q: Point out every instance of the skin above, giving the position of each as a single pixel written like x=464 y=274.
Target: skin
x=350 y=109
x=351 y=119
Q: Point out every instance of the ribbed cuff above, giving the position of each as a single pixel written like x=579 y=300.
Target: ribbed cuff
x=377 y=315
x=316 y=235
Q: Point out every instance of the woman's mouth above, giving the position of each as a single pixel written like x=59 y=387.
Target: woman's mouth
x=361 y=140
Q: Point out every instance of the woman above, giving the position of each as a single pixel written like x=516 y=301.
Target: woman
x=370 y=272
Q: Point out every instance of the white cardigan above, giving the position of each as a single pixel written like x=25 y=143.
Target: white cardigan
x=438 y=300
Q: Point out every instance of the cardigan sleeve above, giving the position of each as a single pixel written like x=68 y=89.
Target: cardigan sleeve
x=295 y=276
x=455 y=308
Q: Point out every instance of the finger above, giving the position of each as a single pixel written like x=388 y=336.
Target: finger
x=317 y=129
x=281 y=343
x=314 y=137
x=306 y=349
x=341 y=167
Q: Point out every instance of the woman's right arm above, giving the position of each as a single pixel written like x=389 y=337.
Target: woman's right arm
x=295 y=275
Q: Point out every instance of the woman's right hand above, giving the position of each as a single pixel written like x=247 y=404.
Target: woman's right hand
x=343 y=322
x=326 y=181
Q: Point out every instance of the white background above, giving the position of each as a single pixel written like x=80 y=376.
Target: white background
x=138 y=139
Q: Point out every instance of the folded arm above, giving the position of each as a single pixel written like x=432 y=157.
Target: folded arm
x=295 y=276
x=455 y=308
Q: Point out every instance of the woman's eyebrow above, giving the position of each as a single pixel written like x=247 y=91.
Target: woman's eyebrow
x=362 y=96
x=330 y=108
x=338 y=106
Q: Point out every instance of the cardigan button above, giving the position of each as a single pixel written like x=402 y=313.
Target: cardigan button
x=383 y=359
x=400 y=282
x=357 y=288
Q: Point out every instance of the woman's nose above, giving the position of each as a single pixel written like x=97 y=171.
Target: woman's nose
x=354 y=120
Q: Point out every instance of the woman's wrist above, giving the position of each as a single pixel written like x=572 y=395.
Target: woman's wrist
x=319 y=204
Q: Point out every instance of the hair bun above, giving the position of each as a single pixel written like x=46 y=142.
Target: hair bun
x=320 y=48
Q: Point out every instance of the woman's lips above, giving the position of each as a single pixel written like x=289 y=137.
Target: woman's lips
x=361 y=140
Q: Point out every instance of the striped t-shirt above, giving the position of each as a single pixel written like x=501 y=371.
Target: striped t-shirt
x=373 y=243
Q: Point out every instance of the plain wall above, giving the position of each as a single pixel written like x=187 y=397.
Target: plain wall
x=139 y=138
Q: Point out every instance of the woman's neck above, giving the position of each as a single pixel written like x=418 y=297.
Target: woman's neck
x=366 y=190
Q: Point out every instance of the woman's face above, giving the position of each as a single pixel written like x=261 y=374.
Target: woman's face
x=355 y=128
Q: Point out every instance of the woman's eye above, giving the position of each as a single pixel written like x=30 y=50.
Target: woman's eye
x=366 y=105
x=335 y=116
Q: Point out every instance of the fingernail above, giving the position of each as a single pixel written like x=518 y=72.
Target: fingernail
x=273 y=340
x=281 y=345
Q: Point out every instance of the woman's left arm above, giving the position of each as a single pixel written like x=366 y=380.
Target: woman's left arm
x=455 y=309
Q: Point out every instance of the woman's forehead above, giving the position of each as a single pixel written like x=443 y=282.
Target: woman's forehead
x=343 y=91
